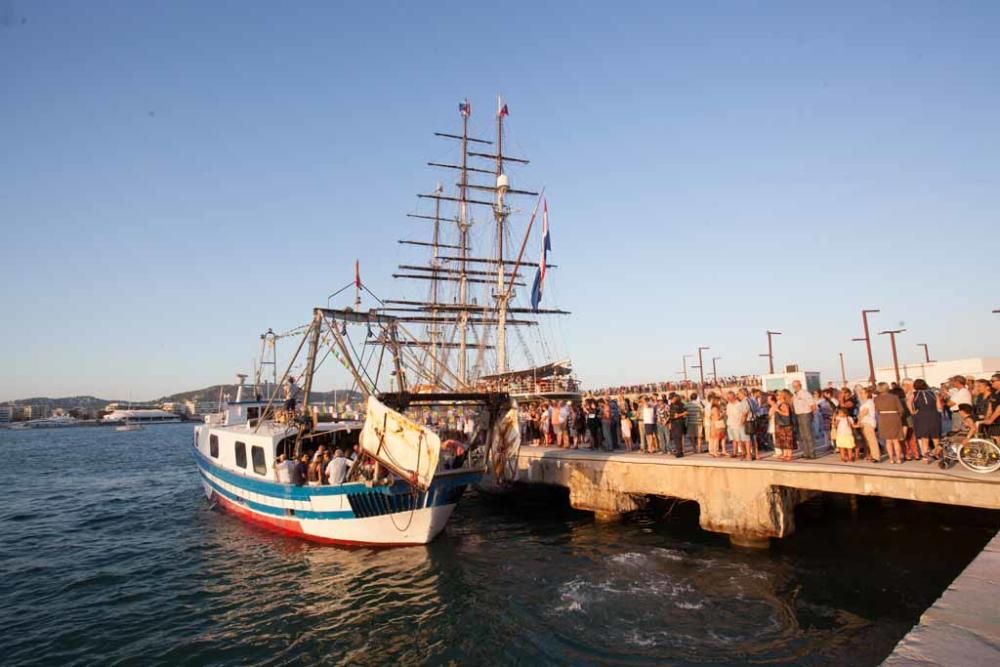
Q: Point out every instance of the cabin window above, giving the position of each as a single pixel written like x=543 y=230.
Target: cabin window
x=259 y=465
x=241 y=454
x=253 y=413
x=213 y=446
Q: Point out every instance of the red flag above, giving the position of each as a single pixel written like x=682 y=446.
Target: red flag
x=357 y=274
x=503 y=111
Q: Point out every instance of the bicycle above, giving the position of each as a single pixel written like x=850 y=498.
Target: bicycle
x=978 y=454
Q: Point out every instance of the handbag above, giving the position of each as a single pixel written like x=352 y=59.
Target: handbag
x=750 y=425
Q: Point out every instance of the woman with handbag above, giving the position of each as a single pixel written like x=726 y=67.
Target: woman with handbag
x=784 y=434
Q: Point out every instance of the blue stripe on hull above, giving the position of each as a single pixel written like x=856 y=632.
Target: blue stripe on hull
x=278 y=511
x=366 y=501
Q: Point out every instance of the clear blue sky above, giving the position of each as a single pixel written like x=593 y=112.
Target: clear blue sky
x=175 y=177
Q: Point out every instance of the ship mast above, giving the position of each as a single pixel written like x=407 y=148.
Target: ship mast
x=463 y=242
x=456 y=273
x=500 y=213
x=434 y=331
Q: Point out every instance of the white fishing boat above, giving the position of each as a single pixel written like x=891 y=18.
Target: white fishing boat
x=400 y=489
x=449 y=420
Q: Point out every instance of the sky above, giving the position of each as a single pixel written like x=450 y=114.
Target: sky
x=176 y=177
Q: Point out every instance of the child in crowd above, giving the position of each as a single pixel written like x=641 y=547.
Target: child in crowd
x=626 y=424
x=843 y=427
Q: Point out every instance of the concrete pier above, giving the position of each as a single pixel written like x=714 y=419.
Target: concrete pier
x=963 y=626
x=751 y=501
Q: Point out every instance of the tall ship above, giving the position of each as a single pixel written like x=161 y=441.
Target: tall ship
x=438 y=377
x=480 y=315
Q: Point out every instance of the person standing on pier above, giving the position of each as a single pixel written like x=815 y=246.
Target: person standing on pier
x=717 y=432
x=991 y=422
x=805 y=406
x=737 y=414
x=925 y=407
x=678 y=421
x=605 y=411
x=663 y=423
x=890 y=421
x=594 y=424
x=695 y=421
x=648 y=442
x=826 y=408
x=866 y=422
x=616 y=425
x=784 y=431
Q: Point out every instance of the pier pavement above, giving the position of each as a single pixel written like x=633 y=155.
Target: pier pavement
x=751 y=501
x=963 y=626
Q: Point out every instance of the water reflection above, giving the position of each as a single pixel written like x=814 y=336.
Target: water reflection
x=123 y=561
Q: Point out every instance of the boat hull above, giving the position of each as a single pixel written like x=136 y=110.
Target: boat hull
x=351 y=514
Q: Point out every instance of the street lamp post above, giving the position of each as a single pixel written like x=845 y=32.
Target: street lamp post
x=770 y=351
x=868 y=344
x=927 y=353
x=891 y=333
x=715 y=372
x=701 y=370
x=684 y=365
x=843 y=371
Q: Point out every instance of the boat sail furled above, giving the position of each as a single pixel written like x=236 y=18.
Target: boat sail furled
x=472 y=296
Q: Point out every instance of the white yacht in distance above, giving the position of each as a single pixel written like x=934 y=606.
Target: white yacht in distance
x=59 y=421
x=140 y=416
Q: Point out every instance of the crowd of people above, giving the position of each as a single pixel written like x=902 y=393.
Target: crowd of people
x=318 y=468
x=894 y=422
x=682 y=386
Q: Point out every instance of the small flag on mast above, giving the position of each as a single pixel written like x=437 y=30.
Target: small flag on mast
x=465 y=108
x=539 y=284
x=502 y=108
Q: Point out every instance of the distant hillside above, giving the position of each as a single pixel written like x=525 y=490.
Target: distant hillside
x=67 y=402
x=206 y=394
x=212 y=394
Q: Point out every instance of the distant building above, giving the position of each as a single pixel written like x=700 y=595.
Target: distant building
x=6 y=413
x=778 y=381
x=26 y=412
x=177 y=408
x=111 y=407
x=936 y=372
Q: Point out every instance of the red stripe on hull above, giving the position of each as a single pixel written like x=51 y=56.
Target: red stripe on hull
x=291 y=527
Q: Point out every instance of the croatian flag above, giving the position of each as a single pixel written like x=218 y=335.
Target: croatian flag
x=502 y=108
x=536 y=288
x=465 y=108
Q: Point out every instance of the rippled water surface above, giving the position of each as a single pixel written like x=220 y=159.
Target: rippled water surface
x=111 y=555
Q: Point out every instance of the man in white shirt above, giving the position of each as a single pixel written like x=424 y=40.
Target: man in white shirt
x=282 y=472
x=336 y=469
x=805 y=406
x=737 y=413
x=649 y=423
x=959 y=393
